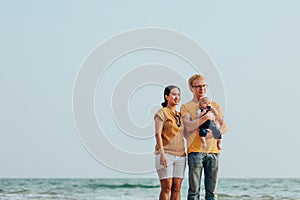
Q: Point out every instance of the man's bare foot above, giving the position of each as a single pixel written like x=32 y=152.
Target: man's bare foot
x=204 y=145
x=219 y=146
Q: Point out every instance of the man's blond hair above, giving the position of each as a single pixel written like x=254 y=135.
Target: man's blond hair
x=195 y=77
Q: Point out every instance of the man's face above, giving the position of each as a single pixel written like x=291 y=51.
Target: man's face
x=198 y=88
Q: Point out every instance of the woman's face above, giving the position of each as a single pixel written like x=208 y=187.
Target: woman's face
x=174 y=97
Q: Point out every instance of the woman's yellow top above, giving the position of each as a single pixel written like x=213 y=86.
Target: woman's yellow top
x=172 y=135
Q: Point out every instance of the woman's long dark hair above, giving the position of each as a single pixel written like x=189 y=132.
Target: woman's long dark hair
x=167 y=92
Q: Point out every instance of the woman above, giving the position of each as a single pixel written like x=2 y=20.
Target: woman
x=170 y=152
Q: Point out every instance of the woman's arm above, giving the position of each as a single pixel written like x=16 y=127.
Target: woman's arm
x=159 y=124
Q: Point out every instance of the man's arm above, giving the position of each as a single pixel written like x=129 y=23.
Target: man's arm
x=192 y=125
x=223 y=124
x=220 y=118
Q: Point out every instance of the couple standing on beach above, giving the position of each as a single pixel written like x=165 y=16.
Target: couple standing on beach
x=170 y=128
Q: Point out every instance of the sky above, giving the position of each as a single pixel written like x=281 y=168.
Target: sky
x=254 y=47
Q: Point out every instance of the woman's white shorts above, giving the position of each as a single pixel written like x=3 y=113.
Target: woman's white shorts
x=175 y=168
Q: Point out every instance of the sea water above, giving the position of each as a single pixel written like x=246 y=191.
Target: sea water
x=142 y=189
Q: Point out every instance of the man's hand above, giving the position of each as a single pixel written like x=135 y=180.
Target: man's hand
x=200 y=114
x=214 y=111
x=210 y=116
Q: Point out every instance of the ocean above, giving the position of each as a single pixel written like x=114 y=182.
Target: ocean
x=142 y=189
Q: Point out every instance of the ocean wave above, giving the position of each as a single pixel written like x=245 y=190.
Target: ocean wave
x=224 y=196
x=125 y=185
x=22 y=191
x=141 y=189
x=248 y=197
x=49 y=193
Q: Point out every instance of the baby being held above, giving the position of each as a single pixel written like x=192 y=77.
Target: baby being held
x=205 y=107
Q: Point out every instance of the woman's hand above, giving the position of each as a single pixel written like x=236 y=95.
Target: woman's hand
x=163 y=159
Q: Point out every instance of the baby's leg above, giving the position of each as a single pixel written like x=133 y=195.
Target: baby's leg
x=203 y=142
x=203 y=134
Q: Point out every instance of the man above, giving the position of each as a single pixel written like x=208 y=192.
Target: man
x=200 y=158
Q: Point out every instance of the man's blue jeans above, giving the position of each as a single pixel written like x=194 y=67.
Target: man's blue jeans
x=209 y=163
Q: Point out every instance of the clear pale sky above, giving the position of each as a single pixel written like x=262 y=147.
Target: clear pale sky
x=254 y=44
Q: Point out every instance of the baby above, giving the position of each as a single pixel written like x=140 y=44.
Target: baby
x=205 y=106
